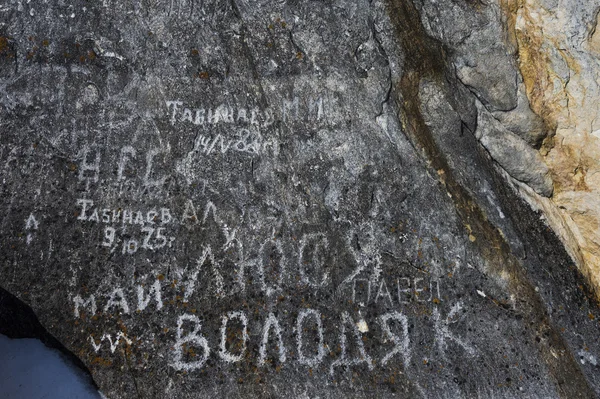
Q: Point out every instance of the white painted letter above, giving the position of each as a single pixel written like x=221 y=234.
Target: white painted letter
x=175 y=105
x=143 y=302
x=165 y=216
x=402 y=345
x=224 y=353
x=150 y=216
x=31 y=223
x=442 y=331
x=271 y=323
x=189 y=214
x=83 y=203
x=193 y=337
x=316 y=359
x=117 y=298
x=109 y=236
x=343 y=360
x=262 y=264
x=148 y=180
x=89 y=304
x=86 y=166
x=123 y=160
x=316 y=258
x=190 y=285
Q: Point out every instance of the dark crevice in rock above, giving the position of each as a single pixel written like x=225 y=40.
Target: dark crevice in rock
x=17 y=320
x=425 y=58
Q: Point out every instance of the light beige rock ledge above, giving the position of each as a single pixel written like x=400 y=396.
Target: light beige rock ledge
x=559 y=58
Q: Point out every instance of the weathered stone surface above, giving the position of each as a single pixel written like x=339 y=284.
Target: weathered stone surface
x=558 y=60
x=271 y=199
x=516 y=156
x=523 y=122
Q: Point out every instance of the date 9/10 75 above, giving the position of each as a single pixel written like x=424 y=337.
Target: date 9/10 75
x=149 y=238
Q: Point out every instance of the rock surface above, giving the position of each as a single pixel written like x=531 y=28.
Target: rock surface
x=558 y=52
x=306 y=199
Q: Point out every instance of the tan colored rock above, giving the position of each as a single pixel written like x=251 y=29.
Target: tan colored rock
x=559 y=58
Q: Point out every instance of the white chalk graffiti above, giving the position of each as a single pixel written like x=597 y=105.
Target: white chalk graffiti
x=316 y=359
x=367 y=258
x=31 y=224
x=272 y=257
x=442 y=330
x=402 y=344
x=190 y=285
x=193 y=337
x=244 y=141
x=224 y=353
x=127 y=153
x=274 y=266
x=149 y=180
x=117 y=299
x=394 y=329
x=404 y=290
x=89 y=169
x=152 y=235
x=308 y=329
x=91 y=163
x=344 y=359
x=311 y=251
x=90 y=213
x=143 y=300
x=113 y=344
x=222 y=114
x=89 y=304
x=271 y=324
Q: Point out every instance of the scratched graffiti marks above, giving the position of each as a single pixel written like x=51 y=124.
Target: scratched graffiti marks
x=384 y=299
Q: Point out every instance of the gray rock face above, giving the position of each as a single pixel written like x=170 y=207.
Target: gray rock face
x=271 y=199
x=514 y=154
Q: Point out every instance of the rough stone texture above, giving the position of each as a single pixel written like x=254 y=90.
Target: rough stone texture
x=558 y=52
x=288 y=199
x=514 y=154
